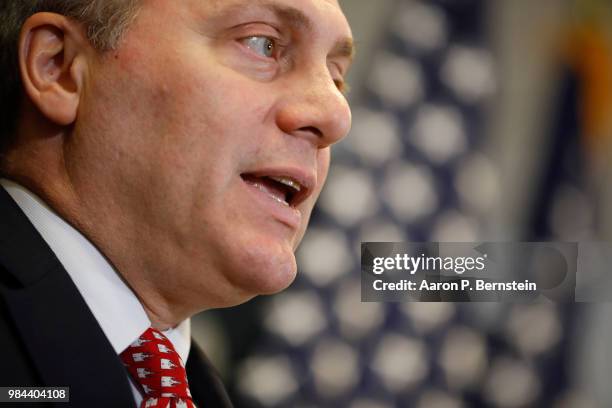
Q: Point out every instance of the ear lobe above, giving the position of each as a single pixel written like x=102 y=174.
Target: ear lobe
x=50 y=69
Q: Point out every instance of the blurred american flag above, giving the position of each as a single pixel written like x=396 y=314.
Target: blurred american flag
x=413 y=169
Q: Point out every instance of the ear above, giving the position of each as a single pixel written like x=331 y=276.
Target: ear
x=52 y=61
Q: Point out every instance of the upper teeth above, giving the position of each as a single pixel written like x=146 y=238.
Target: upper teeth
x=288 y=182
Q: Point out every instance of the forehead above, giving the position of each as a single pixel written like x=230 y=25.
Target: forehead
x=304 y=5
x=313 y=14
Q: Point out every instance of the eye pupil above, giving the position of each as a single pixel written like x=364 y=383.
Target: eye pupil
x=269 y=47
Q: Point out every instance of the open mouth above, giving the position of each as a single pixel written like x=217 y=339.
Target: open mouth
x=283 y=189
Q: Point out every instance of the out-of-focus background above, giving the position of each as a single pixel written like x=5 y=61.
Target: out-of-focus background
x=474 y=120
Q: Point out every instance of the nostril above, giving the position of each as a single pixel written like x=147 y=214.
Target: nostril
x=311 y=129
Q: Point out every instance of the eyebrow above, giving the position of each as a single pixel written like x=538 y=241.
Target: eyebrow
x=343 y=48
x=289 y=15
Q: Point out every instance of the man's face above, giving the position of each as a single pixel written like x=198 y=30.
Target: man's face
x=203 y=140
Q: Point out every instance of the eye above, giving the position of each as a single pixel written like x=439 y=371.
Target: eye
x=342 y=86
x=264 y=46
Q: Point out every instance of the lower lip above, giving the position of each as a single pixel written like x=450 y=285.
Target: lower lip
x=287 y=215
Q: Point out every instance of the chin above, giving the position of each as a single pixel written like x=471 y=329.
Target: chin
x=265 y=268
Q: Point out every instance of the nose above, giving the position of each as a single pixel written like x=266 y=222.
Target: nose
x=313 y=107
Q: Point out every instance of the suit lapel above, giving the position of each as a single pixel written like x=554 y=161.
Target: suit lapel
x=204 y=382
x=63 y=338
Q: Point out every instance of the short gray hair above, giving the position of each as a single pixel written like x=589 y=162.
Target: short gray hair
x=104 y=20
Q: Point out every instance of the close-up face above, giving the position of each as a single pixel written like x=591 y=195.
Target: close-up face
x=204 y=139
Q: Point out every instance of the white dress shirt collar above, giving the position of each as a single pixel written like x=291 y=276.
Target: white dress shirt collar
x=113 y=304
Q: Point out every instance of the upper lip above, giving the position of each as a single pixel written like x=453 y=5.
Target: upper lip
x=306 y=180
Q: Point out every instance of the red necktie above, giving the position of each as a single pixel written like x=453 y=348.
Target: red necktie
x=159 y=370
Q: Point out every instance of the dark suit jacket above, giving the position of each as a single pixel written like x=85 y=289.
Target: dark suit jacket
x=48 y=336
